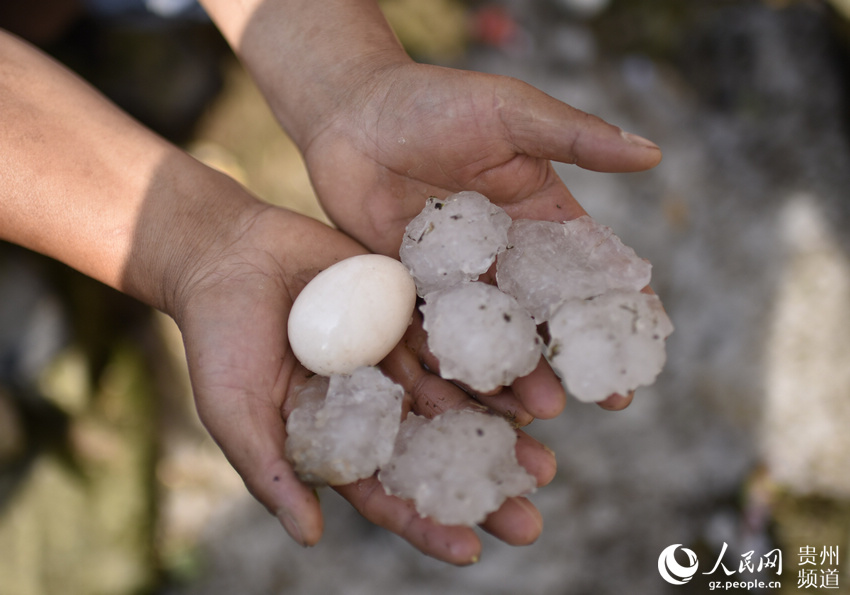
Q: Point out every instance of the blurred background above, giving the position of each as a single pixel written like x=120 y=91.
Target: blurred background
x=109 y=485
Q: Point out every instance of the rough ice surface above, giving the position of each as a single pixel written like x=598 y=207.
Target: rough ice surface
x=609 y=344
x=343 y=428
x=547 y=263
x=480 y=335
x=457 y=467
x=453 y=240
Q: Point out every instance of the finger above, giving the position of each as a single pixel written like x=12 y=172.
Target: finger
x=251 y=433
x=505 y=403
x=517 y=522
x=617 y=402
x=541 y=392
x=425 y=393
x=454 y=544
x=537 y=459
x=541 y=126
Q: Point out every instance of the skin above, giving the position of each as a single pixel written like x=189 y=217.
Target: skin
x=83 y=183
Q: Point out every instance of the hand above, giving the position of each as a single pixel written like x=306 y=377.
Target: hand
x=415 y=130
x=232 y=309
x=412 y=131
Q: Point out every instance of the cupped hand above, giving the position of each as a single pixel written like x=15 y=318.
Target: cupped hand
x=232 y=309
x=411 y=131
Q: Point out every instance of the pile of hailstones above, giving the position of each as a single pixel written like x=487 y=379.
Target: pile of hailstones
x=575 y=282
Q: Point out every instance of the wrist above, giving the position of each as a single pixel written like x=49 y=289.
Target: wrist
x=343 y=98
x=192 y=214
x=311 y=60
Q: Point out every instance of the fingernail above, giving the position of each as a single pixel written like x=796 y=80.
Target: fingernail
x=634 y=139
x=291 y=527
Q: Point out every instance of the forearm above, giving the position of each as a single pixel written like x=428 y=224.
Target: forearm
x=83 y=183
x=306 y=55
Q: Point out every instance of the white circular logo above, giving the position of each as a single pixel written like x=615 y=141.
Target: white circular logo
x=673 y=572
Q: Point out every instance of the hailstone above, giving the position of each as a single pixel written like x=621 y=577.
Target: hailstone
x=343 y=428
x=457 y=467
x=547 y=263
x=453 y=240
x=608 y=344
x=481 y=336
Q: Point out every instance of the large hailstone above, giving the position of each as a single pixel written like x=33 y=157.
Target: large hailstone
x=609 y=344
x=547 y=263
x=481 y=336
x=343 y=428
x=453 y=240
x=457 y=468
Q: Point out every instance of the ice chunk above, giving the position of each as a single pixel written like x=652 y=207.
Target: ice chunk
x=458 y=467
x=343 y=428
x=547 y=263
x=480 y=335
x=453 y=240
x=609 y=344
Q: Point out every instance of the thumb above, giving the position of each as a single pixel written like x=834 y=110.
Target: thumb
x=251 y=433
x=541 y=126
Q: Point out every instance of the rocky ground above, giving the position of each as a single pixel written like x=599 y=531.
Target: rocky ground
x=741 y=441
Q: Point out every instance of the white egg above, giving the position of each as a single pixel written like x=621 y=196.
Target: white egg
x=351 y=314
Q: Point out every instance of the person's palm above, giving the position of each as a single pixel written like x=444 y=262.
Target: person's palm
x=415 y=131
